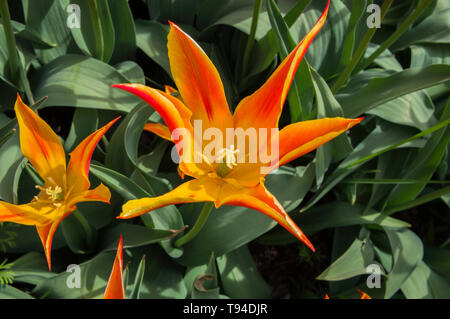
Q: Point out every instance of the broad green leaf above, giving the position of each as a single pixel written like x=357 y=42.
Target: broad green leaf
x=205 y=285
x=135 y=292
x=352 y=263
x=240 y=277
x=124 y=30
x=407 y=250
x=78 y=81
x=31 y=268
x=428 y=54
x=424 y=165
x=327 y=106
x=125 y=140
x=96 y=35
x=424 y=283
x=382 y=90
x=151 y=38
x=331 y=215
x=162 y=218
x=162 y=278
x=84 y=123
x=48 y=18
x=415 y=109
x=434 y=29
x=118 y=182
x=12 y=159
x=381 y=139
x=9 y=292
x=131 y=71
x=285 y=45
x=79 y=234
x=25 y=32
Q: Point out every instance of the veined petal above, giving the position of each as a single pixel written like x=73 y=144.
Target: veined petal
x=115 y=288
x=260 y=199
x=196 y=190
x=46 y=233
x=80 y=160
x=161 y=102
x=263 y=108
x=26 y=214
x=99 y=194
x=197 y=80
x=300 y=138
x=176 y=116
x=159 y=129
x=40 y=145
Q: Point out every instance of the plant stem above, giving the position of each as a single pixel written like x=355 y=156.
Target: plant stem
x=251 y=37
x=10 y=42
x=400 y=30
x=204 y=214
x=359 y=51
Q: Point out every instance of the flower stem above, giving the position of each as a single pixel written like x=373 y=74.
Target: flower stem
x=359 y=51
x=400 y=30
x=204 y=214
x=251 y=37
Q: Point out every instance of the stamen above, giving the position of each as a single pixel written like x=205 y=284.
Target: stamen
x=54 y=194
x=229 y=154
x=228 y=160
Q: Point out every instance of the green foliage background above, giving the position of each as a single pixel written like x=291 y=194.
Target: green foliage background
x=378 y=195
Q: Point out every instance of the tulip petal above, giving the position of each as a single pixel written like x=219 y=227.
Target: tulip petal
x=80 y=160
x=176 y=116
x=260 y=199
x=46 y=233
x=159 y=129
x=115 y=288
x=197 y=80
x=26 y=214
x=300 y=138
x=197 y=190
x=161 y=102
x=263 y=108
x=363 y=295
x=40 y=145
x=99 y=194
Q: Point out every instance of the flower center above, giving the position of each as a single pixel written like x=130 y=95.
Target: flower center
x=54 y=194
x=227 y=160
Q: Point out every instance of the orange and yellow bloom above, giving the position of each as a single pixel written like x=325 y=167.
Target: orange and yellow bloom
x=115 y=288
x=202 y=98
x=65 y=185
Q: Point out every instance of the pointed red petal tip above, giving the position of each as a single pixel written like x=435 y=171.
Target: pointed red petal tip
x=120 y=246
x=360 y=119
x=120 y=85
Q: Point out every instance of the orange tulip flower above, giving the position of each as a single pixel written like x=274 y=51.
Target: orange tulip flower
x=202 y=98
x=115 y=288
x=63 y=187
